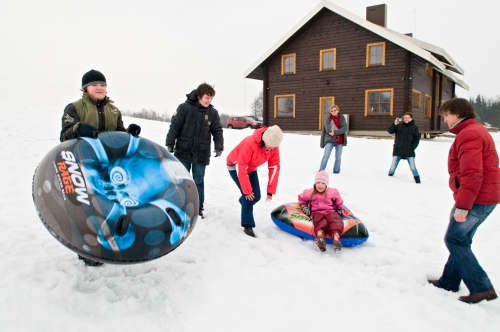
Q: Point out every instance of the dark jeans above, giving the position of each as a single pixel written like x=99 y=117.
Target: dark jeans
x=198 y=171
x=462 y=264
x=246 y=205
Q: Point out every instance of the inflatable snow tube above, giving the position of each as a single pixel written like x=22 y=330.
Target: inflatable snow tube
x=290 y=218
x=115 y=199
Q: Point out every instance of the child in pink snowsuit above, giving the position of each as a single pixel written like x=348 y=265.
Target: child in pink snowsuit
x=323 y=205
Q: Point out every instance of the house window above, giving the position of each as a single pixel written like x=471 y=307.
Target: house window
x=288 y=64
x=415 y=100
x=325 y=103
x=327 y=59
x=284 y=106
x=375 y=54
x=428 y=69
x=379 y=102
x=445 y=80
x=427 y=105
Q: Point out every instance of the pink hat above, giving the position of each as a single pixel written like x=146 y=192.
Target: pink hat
x=322 y=176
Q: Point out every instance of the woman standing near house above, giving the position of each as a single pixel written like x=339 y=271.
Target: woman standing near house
x=333 y=135
x=405 y=142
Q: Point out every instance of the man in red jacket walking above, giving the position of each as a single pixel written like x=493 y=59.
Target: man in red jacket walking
x=475 y=182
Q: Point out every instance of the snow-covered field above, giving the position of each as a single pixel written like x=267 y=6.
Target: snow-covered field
x=222 y=280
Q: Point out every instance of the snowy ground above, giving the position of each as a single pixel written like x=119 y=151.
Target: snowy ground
x=223 y=280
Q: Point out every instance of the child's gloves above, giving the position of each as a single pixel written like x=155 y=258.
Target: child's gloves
x=85 y=130
x=306 y=210
x=134 y=130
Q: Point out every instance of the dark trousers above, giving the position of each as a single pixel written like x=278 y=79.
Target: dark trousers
x=198 y=171
x=246 y=205
x=330 y=223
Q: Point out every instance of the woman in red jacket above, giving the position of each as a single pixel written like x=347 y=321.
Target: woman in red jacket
x=242 y=163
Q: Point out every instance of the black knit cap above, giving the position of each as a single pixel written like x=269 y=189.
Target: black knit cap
x=93 y=77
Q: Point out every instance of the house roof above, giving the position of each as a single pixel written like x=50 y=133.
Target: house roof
x=437 y=56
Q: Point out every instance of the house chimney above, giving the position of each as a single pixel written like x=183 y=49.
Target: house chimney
x=377 y=14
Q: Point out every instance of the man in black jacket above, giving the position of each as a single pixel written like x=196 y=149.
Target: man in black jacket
x=191 y=130
x=405 y=143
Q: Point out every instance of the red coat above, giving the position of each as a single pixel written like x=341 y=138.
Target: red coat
x=248 y=155
x=473 y=166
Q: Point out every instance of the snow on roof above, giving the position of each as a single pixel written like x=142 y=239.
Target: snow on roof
x=445 y=64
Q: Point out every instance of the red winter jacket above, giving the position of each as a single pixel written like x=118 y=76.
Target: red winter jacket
x=248 y=155
x=473 y=166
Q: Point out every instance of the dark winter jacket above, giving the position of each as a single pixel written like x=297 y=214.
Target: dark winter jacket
x=473 y=166
x=325 y=138
x=191 y=130
x=406 y=140
x=101 y=114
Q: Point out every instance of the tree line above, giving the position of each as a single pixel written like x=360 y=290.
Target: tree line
x=487 y=109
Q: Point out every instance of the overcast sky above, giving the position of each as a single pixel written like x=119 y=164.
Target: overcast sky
x=153 y=52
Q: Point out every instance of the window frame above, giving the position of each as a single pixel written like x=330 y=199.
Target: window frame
x=427 y=103
x=391 y=103
x=276 y=111
x=321 y=62
x=368 y=57
x=321 y=110
x=429 y=69
x=419 y=104
x=283 y=67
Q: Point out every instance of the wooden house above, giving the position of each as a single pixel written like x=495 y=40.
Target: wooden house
x=374 y=74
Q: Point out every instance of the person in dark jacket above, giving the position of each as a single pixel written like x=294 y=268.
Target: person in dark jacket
x=92 y=114
x=475 y=182
x=405 y=142
x=191 y=128
x=333 y=135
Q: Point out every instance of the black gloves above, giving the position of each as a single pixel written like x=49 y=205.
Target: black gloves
x=85 y=130
x=134 y=130
x=218 y=153
x=170 y=148
x=306 y=210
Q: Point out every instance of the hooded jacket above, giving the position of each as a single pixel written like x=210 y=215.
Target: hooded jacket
x=473 y=166
x=406 y=140
x=191 y=130
x=323 y=203
x=248 y=155
x=101 y=114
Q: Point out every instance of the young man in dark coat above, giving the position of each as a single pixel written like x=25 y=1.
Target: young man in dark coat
x=475 y=182
x=191 y=129
x=405 y=143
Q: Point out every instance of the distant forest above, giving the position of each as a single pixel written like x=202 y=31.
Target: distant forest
x=488 y=109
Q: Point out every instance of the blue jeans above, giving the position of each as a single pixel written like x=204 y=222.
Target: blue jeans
x=462 y=264
x=246 y=205
x=411 y=162
x=198 y=171
x=326 y=156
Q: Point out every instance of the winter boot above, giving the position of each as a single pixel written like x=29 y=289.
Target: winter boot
x=320 y=241
x=337 y=245
x=200 y=212
x=89 y=262
x=417 y=179
x=249 y=231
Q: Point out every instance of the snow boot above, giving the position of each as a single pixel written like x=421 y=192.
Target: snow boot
x=249 y=231
x=89 y=262
x=200 y=212
x=417 y=179
x=320 y=242
x=337 y=245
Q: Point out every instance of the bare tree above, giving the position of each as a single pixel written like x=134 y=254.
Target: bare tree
x=257 y=105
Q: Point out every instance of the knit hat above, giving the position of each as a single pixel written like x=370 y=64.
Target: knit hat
x=273 y=136
x=93 y=77
x=322 y=176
